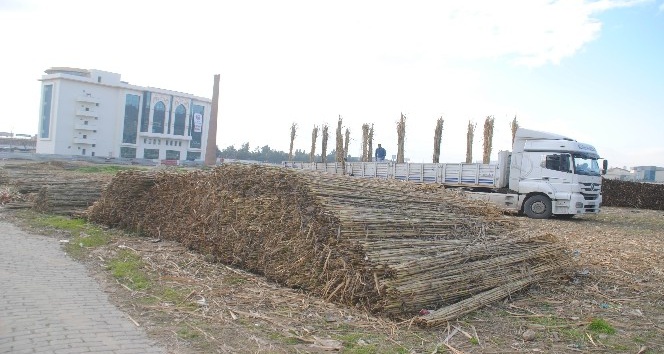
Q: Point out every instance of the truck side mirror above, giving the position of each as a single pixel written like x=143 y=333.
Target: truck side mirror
x=605 y=166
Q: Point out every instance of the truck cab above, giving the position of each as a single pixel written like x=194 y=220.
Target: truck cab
x=554 y=175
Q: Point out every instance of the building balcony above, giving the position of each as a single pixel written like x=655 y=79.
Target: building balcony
x=87 y=99
x=84 y=113
x=86 y=141
x=89 y=127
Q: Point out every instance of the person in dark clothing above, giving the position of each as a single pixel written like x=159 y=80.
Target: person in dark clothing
x=380 y=153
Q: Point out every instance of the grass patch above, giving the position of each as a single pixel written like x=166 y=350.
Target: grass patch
x=109 y=169
x=599 y=325
x=350 y=344
x=60 y=223
x=185 y=332
x=84 y=234
x=126 y=267
x=235 y=280
x=172 y=295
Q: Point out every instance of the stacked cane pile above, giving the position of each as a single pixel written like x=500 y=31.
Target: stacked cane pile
x=393 y=247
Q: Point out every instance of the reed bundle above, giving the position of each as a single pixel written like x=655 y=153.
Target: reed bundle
x=324 y=144
x=392 y=247
x=514 y=125
x=370 y=144
x=52 y=187
x=340 y=142
x=401 y=138
x=632 y=194
x=437 y=139
x=293 y=130
x=346 y=142
x=314 y=136
x=365 y=142
x=469 y=141
x=488 y=139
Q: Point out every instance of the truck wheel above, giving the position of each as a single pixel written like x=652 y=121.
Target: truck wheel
x=538 y=207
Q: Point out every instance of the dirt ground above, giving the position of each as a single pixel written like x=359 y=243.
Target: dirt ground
x=613 y=301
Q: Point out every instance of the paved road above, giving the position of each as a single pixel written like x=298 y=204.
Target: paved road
x=48 y=303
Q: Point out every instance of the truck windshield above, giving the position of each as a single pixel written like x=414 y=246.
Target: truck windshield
x=584 y=165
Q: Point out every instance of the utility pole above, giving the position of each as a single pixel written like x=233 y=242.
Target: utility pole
x=211 y=150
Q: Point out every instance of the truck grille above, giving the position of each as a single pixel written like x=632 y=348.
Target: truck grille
x=590 y=188
x=587 y=196
x=591 y=208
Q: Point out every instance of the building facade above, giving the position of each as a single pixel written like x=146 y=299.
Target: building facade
x=652 y=174
x=94 y=113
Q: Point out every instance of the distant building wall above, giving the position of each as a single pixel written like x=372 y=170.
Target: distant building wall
x=659 y=175
x=619 y=174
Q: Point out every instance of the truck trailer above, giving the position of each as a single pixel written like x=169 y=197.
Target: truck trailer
x=544 y=175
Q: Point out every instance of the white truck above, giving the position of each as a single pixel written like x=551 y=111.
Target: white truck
x=545 y=174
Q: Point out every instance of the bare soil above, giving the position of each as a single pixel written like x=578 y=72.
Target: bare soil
x=612 y=302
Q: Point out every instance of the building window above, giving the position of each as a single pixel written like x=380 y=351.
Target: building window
x=128 y=152
x=151 y=153
x=92 y=153
x=83 y=152
x=159 y=117
x=85 y=136
x=85 y=123
x=87 y=109
x=132 y=104
x=94 y=145
x=145 y=115
x=172 y=155
x=45 y=125
x=180 y=118
x=98 y=78
x=192 y=156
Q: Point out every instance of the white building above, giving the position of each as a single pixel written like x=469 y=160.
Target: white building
x=93 y=113
x=619 y=174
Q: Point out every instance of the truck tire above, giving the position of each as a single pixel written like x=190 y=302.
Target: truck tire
x=538 y=207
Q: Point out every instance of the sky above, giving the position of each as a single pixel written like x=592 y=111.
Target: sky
x=589 y=70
